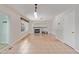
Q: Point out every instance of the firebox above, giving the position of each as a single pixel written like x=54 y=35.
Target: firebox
x=36 y=30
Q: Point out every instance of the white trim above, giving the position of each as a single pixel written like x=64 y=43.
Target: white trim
x=9 y=46
x=76 y=50
x=67 y=44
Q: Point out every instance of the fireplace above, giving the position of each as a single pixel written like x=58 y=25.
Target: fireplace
x=37 y=31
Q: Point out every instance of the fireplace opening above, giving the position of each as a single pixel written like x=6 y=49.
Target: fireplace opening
x=37 y=31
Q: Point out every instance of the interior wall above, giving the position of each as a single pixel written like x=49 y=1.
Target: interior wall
x=15 y=23
x=69 y=28
x=38 y=23
x=64 y=27
x=24 y=26
x=77 y=27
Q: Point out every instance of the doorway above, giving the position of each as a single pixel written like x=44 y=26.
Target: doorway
x=4 y=28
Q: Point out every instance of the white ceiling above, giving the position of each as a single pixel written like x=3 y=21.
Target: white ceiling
x=45 y=11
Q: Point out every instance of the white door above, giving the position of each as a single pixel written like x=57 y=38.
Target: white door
x=4 y=29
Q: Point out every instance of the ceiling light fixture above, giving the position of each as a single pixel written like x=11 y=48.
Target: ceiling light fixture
x=35 y=12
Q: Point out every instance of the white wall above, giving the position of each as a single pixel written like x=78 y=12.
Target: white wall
x=39 y=23
x=15 y=24
x=25 y=26
x=69 y=20
x=64 y=27
x=69 y=28
x=77 y=27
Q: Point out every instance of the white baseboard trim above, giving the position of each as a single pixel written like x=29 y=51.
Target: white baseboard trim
x=68 y=44
x=76 y=50
x=20 y=38
x=10 y=45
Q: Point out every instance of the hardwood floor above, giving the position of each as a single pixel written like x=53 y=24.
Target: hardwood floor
x=44 y=44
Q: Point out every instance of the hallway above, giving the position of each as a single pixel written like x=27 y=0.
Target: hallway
x=40 y=44
x=57 y=25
